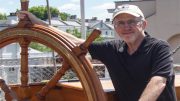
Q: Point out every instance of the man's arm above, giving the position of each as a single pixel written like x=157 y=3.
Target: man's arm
x=153 y=89
x=35 y=20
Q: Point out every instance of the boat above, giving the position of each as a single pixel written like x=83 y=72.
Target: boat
x=88 y=88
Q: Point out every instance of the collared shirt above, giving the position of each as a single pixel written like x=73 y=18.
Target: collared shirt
x=131 y=73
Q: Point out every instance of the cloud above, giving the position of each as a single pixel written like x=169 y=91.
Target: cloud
x=2 y=10
x=70 y=6
x=11 y=2
x=75 y=1
x=102 y=15
x=101 y=10
x=104 y=6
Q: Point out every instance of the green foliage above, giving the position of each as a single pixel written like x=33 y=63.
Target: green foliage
x=40 y=47
x=54 y=12
x=3 y=16
x=74 y=32
x=64 y=16
x=42 y=12
x=99 y=39
x=39 y=11
x=78 y=34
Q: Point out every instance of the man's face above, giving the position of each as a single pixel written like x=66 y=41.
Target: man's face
x=129 y=27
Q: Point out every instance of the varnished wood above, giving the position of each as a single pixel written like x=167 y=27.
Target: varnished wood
x=26 y=21
x=24 y=90
x=96 y=33
x=80 y=52
x=24 y=44
x=62 y=46
x=53 y=81
x=24 y=5
x=71 y=91
x=26 y=32
x=7 y=91
x=82 y=48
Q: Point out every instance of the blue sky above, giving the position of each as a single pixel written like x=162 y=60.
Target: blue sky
x=93 y=8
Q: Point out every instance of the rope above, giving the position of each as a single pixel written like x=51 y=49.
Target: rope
x=175 y=50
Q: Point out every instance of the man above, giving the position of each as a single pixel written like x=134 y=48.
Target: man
x=140 y=66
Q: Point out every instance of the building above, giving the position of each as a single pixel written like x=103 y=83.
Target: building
x=107 y=30
x=65 y=25
x=106 y=27
x=11 y=21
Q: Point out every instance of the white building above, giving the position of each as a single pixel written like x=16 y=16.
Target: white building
x=11 y=21
x=107 y=30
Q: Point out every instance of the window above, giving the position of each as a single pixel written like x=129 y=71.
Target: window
x=106 y=33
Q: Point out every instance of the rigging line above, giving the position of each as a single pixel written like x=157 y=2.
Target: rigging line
x=49 y=19
x=83 y=30
x=49 y=12
x=175 y=50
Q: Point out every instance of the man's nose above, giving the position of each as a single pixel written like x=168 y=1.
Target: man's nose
x=127 y=25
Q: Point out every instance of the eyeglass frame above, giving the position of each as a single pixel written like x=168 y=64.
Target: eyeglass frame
x=130 y=23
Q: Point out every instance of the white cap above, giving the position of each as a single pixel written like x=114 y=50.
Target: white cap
x=129 y=9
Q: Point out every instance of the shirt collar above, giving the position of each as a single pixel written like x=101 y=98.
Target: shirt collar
x=142 y=46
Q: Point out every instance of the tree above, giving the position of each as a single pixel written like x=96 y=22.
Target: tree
x=3 y=16
x=41 y=12
x=64 y=16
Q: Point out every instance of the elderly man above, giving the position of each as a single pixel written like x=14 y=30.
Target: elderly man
x=139 y=65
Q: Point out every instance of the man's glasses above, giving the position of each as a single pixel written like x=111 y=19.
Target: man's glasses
x=129 y=23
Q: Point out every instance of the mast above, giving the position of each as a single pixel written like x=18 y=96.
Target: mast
x=49 y=20
x=83 y=30
x=49 y=12
x=176 y=49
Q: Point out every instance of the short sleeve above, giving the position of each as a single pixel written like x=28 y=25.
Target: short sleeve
x=98 y=50
x=162 y=62
x=104 y=50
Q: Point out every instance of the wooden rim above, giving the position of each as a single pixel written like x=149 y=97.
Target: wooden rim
x=62 y=46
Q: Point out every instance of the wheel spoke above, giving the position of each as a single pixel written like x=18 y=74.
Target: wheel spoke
x=52 y=83
x=24 y=91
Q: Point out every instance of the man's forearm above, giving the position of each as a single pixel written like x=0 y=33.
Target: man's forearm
x=35 y=20
x=153 y=89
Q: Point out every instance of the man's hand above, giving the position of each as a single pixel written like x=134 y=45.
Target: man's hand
x=34 y=20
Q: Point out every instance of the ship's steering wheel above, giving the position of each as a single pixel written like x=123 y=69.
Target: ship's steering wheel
x=26 y=32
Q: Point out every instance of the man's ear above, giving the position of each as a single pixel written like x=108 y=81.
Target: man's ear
x=144 y=24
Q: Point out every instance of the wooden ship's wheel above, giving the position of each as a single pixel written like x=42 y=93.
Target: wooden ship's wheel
x=25 y=33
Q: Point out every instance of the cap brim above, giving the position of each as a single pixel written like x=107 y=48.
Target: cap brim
x=126 y=12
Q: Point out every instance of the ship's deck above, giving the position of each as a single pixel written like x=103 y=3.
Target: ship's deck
x=177 y=80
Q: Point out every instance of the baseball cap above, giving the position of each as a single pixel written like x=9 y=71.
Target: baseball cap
x=129 y=9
